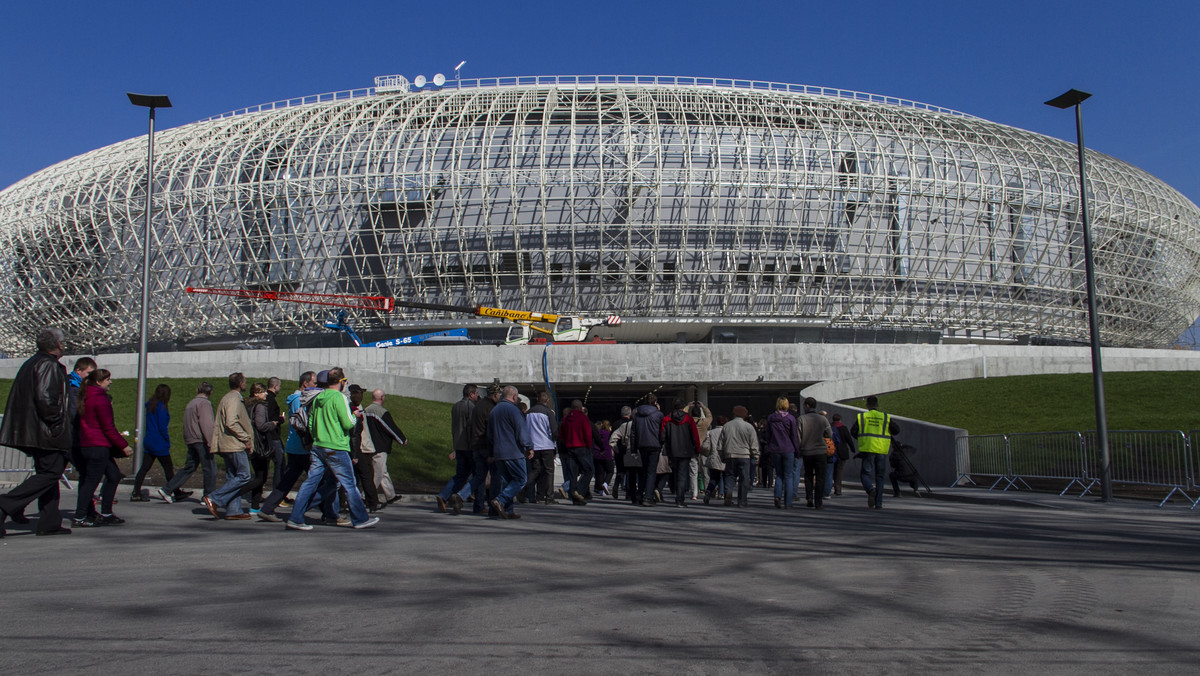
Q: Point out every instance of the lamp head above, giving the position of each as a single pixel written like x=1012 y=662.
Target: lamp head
x=1073 y=97
x=149 y=100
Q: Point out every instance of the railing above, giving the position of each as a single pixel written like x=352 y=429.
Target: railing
x=593 y=80
x=1144 y=463
x=14 y=461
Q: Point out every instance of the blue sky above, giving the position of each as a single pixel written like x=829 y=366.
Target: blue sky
x=67 y=65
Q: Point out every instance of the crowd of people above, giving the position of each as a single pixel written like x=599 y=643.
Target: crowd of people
x=339 y=443
x=504 y=449
x=502 y=459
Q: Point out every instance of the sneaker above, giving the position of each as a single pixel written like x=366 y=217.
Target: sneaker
x=89 y=522
x=137 y=496
x=267 y=516
x=441 y=506
x=110 y=520
x=166 y=497
x=292 y=525
x=254 y=511
x=369 y=523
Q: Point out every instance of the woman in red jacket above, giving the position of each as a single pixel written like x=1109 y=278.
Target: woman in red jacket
x=99 y=444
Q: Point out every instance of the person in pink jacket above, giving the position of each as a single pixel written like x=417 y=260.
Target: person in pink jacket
x=99 y=444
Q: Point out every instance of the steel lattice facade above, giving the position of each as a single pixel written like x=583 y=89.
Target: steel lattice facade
x=650 y=197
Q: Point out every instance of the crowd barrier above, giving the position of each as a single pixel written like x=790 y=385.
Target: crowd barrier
x=1142 y=461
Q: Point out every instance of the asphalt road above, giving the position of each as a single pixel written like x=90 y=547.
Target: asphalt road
x=921 y=586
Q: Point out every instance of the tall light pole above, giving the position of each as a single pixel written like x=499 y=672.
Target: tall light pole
x=151 y=102
x=1074 y=98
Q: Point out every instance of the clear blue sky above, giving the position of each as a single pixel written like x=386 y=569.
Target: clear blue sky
x=67 y=65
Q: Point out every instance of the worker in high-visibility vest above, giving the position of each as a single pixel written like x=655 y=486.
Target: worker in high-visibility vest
x=874 y=430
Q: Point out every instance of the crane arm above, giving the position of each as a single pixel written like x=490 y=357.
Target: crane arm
x=482 y=311
x=377 y=303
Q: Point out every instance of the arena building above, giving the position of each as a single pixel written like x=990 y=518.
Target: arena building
x=697 y=209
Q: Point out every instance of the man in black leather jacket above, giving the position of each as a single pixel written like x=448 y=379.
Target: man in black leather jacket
x=36 y=422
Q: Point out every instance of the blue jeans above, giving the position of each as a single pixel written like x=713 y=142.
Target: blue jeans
x=338 y=463
x=237 y=475
x=874 y=472
x=512 y=479
x=464 y=468
x=785 y=476
x=832 y=462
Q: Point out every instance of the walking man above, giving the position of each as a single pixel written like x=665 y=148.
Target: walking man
x=814 y=430
x=298 y=458
x=36 y=422
x=464 y=461
x=739 y=448
x=576 y=436
x=511 y=447
x=383 y=431
x=647 y=422
x=198 y=436
x=543 y=432
x=233 y=438
x=874 y=430
x=330 y=422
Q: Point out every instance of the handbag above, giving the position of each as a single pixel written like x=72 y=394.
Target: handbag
x=830 y=448
x=632 y=459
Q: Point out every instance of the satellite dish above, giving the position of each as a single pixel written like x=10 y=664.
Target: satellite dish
x=419 y=81
x=439 y=79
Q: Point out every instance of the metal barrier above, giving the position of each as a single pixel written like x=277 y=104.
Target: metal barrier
x=1051 y=456
x=1150 y=458
x=12 y=460
x=1154 y=459
x=984 y=456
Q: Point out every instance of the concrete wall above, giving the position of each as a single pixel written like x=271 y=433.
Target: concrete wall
x=839 y=371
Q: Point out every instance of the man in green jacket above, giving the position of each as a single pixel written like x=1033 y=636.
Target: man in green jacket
x=330 y=422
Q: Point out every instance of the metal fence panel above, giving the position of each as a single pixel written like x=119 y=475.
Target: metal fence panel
x=1049 y=456
x=1149 y=458
x=984 y=455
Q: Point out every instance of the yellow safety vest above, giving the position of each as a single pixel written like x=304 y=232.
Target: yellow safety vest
x=873 y=434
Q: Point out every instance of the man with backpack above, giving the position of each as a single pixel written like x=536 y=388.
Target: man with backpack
x=329 y=423
x=296 y=452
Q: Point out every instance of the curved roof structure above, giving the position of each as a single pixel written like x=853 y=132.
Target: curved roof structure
x=697 y=200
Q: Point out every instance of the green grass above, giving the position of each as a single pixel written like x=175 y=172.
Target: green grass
x=1159 y=400
x=421 y=463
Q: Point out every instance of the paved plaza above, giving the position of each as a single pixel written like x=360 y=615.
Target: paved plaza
x=929 y=585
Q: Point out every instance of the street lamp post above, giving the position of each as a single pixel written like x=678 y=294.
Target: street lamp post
x=151 y=102
x=1074 y=98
